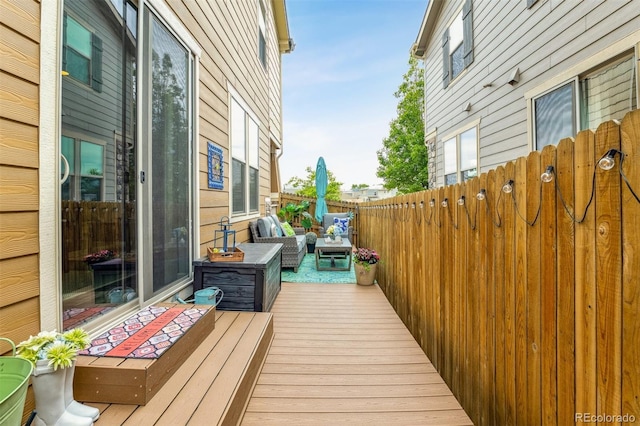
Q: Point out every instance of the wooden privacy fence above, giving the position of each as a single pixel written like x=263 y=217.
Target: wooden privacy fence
x=91 y=226
x=527 y=303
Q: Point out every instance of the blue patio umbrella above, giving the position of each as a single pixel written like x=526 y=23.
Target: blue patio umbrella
x=321 y=189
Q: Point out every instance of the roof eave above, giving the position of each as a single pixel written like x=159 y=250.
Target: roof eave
x=419 y=48
x=285 y=44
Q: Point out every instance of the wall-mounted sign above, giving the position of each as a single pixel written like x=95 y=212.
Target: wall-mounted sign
x=215 y=166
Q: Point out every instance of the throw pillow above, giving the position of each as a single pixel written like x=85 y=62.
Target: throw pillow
x=264 y=227
x=279 y=230
x=273 y=230
x=288 y=229
x=342 y=223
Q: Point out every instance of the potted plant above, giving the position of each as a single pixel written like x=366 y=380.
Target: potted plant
x=307 y=221
x=365 y=262
x=311 y=241
x=53 y=356
x=333 y=232
x=291 y=212
x=100 y=256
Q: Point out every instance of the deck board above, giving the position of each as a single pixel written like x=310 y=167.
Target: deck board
x=341 y=355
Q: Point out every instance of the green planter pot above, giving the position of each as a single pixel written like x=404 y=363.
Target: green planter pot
x=14 y=381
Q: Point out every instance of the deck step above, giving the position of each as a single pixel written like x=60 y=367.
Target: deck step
x=136 y=380
x=214 y=384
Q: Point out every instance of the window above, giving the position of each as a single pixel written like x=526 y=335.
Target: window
x=82 y=54
x=468 y=154
x=450 y=162
x=456 y=59
x=245 y=151
x=554 y=115
x=85 y=166
x=262 y=39
x=603 y=94
x=461 y=157
x=457 y=44
x=608 y=93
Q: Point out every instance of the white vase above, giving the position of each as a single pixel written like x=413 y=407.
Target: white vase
x=49 y=390
x=73 y=406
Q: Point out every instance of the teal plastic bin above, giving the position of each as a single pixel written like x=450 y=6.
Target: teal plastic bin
x=14 y=381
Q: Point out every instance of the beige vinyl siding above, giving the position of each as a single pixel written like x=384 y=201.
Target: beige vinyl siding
x=542 y=42
x=19 y=167
x=227 y=32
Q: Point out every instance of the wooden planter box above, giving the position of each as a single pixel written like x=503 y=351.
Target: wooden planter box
x=136 y=381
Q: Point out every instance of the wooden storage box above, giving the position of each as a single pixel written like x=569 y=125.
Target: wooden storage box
x=233 y=256
x=250 y=285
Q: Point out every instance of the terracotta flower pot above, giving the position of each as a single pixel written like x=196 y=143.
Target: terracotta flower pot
x=364 y=277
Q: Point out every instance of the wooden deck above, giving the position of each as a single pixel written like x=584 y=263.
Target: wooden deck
x=341 y=355
x=213 y=384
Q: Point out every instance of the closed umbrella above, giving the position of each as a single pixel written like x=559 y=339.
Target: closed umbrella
x=321 y=189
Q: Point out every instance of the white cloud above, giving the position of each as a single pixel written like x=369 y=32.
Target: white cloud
x=348 y=147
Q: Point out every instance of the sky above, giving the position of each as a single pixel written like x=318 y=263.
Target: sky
x=338 y=84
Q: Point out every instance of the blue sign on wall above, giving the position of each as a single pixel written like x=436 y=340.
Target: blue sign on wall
x=215 y=166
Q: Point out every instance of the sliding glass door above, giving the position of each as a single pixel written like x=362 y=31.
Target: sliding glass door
x=168 y=84
x=126 y=183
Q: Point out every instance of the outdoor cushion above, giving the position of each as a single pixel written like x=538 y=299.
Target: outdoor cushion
x=342 y=223
x=279 y=230
x=264 y=227
x=301 y=241
x=327 y=219
x=288 y=229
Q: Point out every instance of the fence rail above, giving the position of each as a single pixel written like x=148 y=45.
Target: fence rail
x=527 y=303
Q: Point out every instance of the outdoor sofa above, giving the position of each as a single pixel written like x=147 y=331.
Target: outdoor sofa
x=268 y=229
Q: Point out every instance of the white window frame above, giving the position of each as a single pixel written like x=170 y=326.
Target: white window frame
x=249 y=158
x=456 y=135
x=463 y=41
x=631 y=42
x=577 y=94
x=262 y=31
x=76 y=173
x=460 y=44
x=576 y=108
x=90 y=58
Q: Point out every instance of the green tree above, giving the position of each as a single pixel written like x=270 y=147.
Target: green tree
x=403 y=157
x=355 y=187
x=307 y=187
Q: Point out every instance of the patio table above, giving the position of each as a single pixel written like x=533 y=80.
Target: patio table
x=333 y=251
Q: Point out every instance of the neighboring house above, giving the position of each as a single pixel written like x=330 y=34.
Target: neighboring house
x=503 y=78
x=133 y=127
x=367 y=194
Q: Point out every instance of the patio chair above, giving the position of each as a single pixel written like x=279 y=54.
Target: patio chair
x=330 y=218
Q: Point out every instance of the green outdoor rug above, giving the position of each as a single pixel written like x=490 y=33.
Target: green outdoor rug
x=307 y=272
